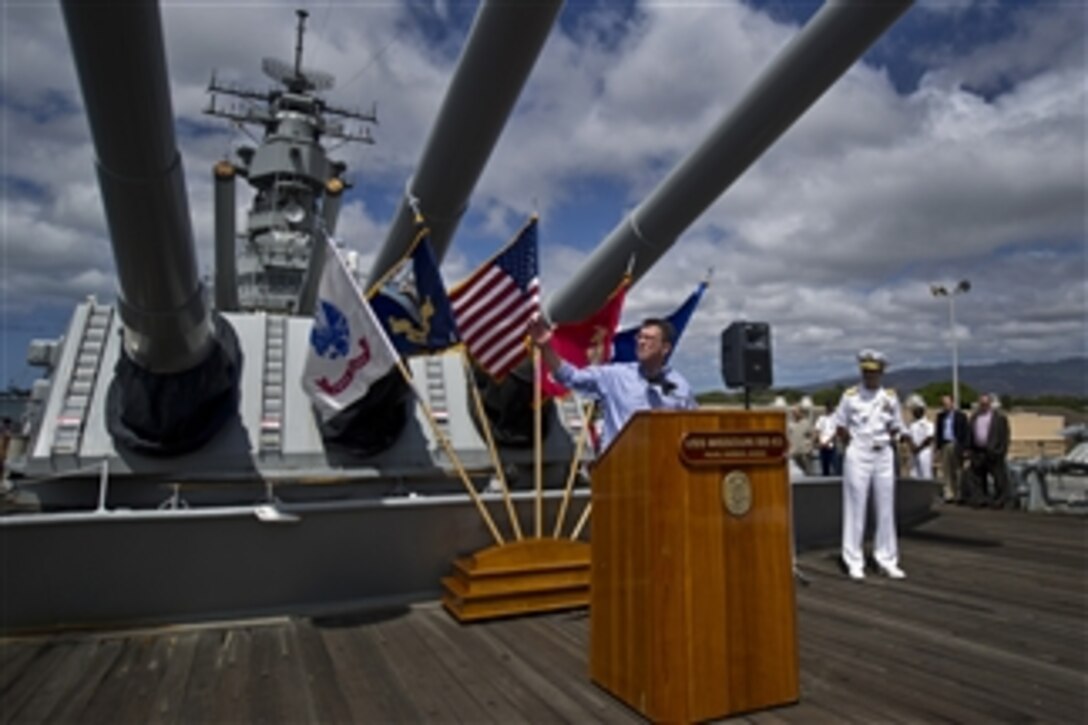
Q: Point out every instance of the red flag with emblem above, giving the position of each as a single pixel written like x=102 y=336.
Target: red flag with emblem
x=588 y=342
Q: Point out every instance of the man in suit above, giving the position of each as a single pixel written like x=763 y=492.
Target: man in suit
x=989 y=437
x=952 y=442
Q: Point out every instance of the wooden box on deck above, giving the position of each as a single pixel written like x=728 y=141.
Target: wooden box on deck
x=692 y=610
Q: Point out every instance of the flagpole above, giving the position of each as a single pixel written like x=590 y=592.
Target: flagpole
x=452 y=455
x=581 y=521
x=395 y=268
x=587 y=415
x=486 y=425
x=538 y=458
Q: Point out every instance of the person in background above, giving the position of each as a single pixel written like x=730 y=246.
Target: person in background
x=622 y=388
x=951 y=433
x=870 y=420
x=826 y=441
x=989 y=437
x=800 y=434
x=920 y=438
x=7 y=430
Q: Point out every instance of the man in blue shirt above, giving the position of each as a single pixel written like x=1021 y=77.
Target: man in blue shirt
x=622 y=388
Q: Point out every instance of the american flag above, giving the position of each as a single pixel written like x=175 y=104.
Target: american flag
x=493 y=306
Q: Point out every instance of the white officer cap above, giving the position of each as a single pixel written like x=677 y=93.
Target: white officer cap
x=869 y=359
x=915 y=401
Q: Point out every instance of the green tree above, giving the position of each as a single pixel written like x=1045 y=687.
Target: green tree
x=933 y=393
x=792 y=395
x=715 y=397
x=828 y=395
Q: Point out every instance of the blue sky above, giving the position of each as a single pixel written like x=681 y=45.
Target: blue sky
x=955 y=149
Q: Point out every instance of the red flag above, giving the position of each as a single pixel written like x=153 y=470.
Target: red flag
x=588 y=342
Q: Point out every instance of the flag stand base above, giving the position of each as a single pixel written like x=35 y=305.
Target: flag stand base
x=516 y=578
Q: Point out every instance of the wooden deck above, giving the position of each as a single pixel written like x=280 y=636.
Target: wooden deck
x=990 y=626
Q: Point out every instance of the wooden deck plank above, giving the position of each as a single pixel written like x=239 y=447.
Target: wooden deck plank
x=231 y=663
x=997 y=626
x=176 y=653
x=552 y=700
x=372 y=692
x=34 y=693
x=438 y=691
x=322 y=685
x=547 y=653
x=487 y=681
x=274 y=659
x=901 y=684
x=85 y=674
x=202 y=696
x=15 y=656
x=117 y=690
x=505 y=671
x=991 y=648
x=989 y=626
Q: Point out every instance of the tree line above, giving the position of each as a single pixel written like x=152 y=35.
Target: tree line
x=931 y=393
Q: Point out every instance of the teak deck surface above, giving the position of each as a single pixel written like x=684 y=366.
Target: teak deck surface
x=990 y=626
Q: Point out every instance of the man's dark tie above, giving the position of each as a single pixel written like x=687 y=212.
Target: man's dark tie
x=662 y=382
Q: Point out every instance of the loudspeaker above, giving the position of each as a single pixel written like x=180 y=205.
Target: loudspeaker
x=746 y=355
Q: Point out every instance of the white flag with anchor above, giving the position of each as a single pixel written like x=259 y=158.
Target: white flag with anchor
x=349 y=350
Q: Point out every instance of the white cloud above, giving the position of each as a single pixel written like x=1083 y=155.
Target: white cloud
x=832 y=237
x=1043 y=38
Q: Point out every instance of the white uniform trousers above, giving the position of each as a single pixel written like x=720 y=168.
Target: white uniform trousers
x=864 y=468
x=921 y=463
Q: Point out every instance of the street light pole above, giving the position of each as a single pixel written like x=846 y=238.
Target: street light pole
x=963 y=287
x=955 y=352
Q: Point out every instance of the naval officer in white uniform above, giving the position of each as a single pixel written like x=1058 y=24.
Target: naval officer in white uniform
x=869 y=419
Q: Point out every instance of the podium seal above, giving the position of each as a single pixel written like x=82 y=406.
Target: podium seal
x=737 y=493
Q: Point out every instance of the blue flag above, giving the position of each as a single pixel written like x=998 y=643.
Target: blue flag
x=623 y=344
x=413 y=306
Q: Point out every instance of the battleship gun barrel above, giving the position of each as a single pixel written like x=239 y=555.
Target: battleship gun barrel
x=835 y=37
x=121 y=63
x=176 y=382
x=504 y=43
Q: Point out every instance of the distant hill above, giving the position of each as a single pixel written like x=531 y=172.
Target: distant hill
x=1018 y=379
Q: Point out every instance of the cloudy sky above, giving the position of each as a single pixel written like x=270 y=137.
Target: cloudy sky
x=956 y=149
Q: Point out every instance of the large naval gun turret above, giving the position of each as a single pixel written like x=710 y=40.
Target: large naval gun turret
x=175 y=377
x=179 y=468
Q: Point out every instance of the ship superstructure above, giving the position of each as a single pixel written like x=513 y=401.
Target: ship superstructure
x=297 y=187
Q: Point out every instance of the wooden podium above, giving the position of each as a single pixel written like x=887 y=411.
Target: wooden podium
x=692 y=611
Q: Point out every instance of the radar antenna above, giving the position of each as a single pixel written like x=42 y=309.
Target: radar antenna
x=297 y=79
x=260 y=108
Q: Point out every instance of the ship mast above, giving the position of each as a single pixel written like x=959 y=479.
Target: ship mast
x=297 y=186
